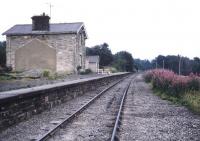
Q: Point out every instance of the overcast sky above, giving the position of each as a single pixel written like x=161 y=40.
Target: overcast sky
x=146 y=28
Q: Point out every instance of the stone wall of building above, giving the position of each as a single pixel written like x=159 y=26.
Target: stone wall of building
x=65 y=45
x=80 y=51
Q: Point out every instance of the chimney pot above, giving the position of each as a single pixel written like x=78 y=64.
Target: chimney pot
x=40 y=23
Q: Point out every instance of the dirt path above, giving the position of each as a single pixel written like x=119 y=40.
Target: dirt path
x=147 y=117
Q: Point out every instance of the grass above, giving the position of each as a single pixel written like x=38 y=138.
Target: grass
x=7 y=76
x=165 y=96
x=3 y=77
x=190 y=99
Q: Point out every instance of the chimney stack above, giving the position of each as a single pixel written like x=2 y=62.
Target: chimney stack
x=40 y=23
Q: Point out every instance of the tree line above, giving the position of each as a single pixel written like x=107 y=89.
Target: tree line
x=177 y=64
x=122 y=61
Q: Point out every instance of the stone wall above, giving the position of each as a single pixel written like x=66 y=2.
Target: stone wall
x=20 y=105
x=64 y=44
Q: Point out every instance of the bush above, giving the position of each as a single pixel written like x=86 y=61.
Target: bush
x=194 y=82
x=113 y=70
x=46 y=73
x=148 y=77
x=87 y=71
x=78 y=68
x=167 y=81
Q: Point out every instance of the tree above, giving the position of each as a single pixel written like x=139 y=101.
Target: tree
x=103 y=52
x=123 y=61
x=171 y=62
x=3 y=54
x=196 y=65
x=142 y=64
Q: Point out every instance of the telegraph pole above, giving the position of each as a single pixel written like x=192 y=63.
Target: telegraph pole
x=179 y=66
x=163 y=64
x=156 y=64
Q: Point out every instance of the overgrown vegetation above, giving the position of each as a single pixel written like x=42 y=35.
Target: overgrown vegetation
x=86 y=71
x=8 y=76
x=4 y=77
x=184 y=90
x=46 y=73
x=171 y=83
x=3 y=54
x=190 y=99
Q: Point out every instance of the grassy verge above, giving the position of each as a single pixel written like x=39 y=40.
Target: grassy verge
x=190 y=99
x=6 y=77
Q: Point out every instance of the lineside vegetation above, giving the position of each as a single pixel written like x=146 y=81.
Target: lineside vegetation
x=179 y=89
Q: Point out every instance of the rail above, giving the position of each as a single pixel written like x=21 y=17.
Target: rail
x=65 y=121
x=117 y=121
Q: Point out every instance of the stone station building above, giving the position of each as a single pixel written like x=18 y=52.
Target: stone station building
x=59 y=47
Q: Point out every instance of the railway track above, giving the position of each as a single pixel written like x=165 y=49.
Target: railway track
x=67 y=120
x=112 y=102
x=117 y=114
x=114 y=136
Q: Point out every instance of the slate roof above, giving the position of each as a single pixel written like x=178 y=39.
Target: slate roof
x=57 y=28
x=93 y=59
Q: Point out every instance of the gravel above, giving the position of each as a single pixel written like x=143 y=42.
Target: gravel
x=97 y=121
x=41 y=123
x=147 y=117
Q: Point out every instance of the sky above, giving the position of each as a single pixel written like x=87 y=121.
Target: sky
x=145 y=28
